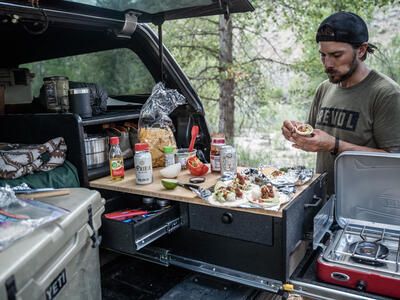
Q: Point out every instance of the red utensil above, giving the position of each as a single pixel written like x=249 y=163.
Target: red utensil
x=195 y=132
x=125 y=214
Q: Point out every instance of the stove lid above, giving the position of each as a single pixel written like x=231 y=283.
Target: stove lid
x=367 y=187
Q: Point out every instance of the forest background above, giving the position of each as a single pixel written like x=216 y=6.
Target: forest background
x=251 y=72
x=261 y=68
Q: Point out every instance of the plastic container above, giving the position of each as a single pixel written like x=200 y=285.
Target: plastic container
x=182 y=155
x=117 y=170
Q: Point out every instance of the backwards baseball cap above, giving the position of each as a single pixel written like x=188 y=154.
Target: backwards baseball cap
x=344 y=27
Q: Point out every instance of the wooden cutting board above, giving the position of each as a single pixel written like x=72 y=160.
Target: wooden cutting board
x=155 y=189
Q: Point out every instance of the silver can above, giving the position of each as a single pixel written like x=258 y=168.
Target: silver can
x=228 y=162
x=143 y=164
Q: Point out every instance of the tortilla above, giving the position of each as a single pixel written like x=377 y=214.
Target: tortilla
x=239 y=201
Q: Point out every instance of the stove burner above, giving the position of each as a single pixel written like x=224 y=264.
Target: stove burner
x=369 y=250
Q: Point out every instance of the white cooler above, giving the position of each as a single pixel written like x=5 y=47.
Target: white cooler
x=59 y=260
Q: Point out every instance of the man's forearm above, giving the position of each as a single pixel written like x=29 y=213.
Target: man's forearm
x=346 y=146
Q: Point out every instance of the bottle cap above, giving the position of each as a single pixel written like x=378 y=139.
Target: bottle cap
x=168 y=149
x=114 y=140
x=141 y=147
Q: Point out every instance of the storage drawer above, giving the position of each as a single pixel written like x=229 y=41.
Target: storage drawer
x=234 y=224
x=130 y=237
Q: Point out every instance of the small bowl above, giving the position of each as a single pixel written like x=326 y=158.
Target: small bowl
x=304 y=129
x=182 y=155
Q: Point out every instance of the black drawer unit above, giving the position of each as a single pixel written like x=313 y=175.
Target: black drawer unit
x=250 y=248
x=233 y=224
x=130 y=237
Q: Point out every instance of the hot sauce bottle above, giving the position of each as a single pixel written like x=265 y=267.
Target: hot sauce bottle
x=117 y=170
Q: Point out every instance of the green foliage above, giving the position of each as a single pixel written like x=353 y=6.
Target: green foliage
x=119 y=71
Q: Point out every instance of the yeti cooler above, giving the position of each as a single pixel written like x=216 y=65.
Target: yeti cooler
x=59 y=260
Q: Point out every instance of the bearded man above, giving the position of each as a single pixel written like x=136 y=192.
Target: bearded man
x=356 y=109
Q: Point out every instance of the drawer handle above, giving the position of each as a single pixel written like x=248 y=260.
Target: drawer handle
x=319 y=200
x=227 y=218
x=340 y=276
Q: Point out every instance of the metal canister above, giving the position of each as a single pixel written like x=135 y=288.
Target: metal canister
x=143 y=164
x=228 y=161
x=56 y=93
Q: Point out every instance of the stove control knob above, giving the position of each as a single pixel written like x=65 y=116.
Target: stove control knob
x=361 y=285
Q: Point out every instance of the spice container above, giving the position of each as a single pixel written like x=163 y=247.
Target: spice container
x=169 y=155
x=143 y=164
x=215 y=160
x=117 y=170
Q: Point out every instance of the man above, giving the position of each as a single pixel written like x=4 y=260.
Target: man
x=356 y=108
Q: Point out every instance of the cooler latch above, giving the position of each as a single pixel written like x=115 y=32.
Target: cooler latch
x=96 y=239
x=11 y=288
x=129 y=26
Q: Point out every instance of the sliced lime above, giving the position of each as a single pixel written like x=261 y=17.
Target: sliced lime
x=169 y=184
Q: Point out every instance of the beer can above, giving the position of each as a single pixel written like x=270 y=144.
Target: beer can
x=228 y=161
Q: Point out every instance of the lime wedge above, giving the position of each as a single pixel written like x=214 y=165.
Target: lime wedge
x=169 y=184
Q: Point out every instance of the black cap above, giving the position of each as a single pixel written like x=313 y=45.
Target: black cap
x=344 y=27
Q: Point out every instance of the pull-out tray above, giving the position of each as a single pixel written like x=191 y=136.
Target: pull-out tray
x=155 y=189
x=130 y=237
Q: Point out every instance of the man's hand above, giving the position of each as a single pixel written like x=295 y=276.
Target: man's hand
x=288 y=128
x=320 y=141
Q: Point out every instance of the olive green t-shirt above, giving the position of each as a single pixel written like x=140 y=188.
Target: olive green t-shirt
x=366 y=114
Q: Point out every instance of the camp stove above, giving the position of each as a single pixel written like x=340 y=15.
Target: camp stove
x=364 y=253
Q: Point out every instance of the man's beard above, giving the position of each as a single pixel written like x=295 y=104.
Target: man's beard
x=353 y=68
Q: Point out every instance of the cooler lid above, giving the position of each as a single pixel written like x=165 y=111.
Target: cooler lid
x=30 y=255
x=367 y=187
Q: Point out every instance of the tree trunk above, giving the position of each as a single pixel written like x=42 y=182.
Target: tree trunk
x=227 y=80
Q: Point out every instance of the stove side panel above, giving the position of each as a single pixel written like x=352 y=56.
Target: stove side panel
x=298 y=223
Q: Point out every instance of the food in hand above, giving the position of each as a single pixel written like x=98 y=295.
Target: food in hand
x=304 y=129
x=171 y=171
x=169 y=184
x=196 y=167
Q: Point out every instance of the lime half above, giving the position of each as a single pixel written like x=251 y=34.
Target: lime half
x=169 y=184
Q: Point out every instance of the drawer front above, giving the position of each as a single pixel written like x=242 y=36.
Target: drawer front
x=130 y=237
x=234 y=224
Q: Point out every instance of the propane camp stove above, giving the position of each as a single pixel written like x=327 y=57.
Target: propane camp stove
x=367 y=248
x=364 y=254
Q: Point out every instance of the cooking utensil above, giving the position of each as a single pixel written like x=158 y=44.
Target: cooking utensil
x=195 y=132
x=198 y=190
x=41 y=193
